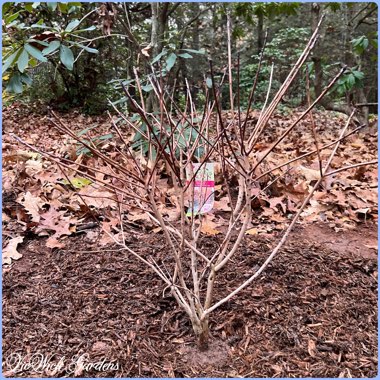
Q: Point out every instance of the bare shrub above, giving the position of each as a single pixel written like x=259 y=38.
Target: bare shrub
x=189 y=272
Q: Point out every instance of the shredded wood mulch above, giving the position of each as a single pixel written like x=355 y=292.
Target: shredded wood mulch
x=313 y=313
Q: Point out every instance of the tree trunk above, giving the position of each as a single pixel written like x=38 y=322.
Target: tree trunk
x=196 y=61
x=154 y=34
x=159 y=23
x=260 y=32
x=201 y=331
x=316 y=57
x=181 y=73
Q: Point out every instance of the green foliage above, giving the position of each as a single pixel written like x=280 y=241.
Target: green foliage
x=167 y=59
x=97 y=141
x=53 y=52
x=268 y=10
x=14 y=85
x=76 y=182
x=164 y=63
x=184 y=135
x=287 y=45
x=360 y=45
x=34 y=52
x=45 y=84
x=67 y=57
x=22 y=50
x=247 y=77
x=171 y=61
x=96 y=102
x=283 y=50
x=352 y=78
x=334 y=6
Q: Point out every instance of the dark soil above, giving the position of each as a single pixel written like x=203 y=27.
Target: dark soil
x=313 y=313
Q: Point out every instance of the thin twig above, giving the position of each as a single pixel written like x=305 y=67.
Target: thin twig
x=353 y=166
x=284 y=237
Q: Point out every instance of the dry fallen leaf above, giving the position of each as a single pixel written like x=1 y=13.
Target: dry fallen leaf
x=110 y=231
x=222 y=204
x=97 y=197
x=10 y=251
x=53 y=242
x=138 y=215
x=32 y=205
x=357 y=144
x=173 y=214
x=21 y=155
x=273 y=202
x=208 y=227
x=310 y=174
x=33 y=167
x=54 y=220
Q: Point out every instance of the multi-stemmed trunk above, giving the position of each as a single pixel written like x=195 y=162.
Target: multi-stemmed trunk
x=201 y=332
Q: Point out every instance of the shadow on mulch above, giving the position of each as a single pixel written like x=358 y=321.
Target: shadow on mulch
x=313 y=313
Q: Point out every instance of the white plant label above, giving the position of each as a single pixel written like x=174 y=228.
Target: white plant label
x=204 y=188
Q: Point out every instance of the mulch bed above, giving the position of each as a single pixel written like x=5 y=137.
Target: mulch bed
x=313 y=313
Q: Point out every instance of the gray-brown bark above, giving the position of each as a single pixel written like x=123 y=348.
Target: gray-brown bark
x=201 y=331
x=260 y=32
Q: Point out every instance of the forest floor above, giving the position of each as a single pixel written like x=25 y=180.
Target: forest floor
x=313 y=312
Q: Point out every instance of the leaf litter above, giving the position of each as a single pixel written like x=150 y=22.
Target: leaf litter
x=70 y=213
x=348 y=197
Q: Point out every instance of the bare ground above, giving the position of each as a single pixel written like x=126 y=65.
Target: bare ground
x=313 y=313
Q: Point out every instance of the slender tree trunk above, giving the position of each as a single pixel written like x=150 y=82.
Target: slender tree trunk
x=260 y=32
x=159 y=23
x=196 y=60
x=154 y=34
x=318 y=78
x=182 y=72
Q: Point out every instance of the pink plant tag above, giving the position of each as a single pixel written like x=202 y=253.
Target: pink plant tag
x=204 y=188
